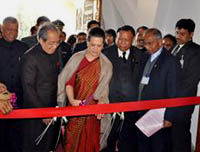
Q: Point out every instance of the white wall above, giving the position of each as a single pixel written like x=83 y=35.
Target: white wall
x=178 y=9
x=134 y=12
x=162 y=14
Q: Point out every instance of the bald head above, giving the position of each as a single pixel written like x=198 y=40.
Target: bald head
x=154 y=32
x=152 y=40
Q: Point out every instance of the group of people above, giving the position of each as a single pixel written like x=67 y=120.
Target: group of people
x=106 y=67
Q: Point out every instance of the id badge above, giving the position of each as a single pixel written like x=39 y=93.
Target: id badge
x=145 y=80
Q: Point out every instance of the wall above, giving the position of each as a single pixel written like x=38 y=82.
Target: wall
x=162 y=14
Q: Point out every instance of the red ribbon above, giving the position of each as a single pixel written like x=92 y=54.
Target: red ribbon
x=100 y=108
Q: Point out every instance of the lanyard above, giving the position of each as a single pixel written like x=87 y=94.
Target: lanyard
x=151 y=66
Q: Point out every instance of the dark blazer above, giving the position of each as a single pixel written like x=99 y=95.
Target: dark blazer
x=39 y=72
x=30 y=40
x=190 y=70
x=135 y=58
x=66 y=52
x=181 y=136
x=164 y=80
x=80 y=47
x=10 y=58
x=190 y=53
x=39 y=80
x=123 y=88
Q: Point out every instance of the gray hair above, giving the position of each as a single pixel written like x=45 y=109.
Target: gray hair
x=42 y=32
x=155 y=32
x=10 y=19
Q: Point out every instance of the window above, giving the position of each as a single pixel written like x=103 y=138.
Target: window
x=74 y=13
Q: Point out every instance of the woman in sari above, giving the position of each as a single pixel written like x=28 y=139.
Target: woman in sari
x=87 y=76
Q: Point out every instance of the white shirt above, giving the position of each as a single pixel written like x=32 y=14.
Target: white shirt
x=120 y=53
x=180 y=46
x=156 y=54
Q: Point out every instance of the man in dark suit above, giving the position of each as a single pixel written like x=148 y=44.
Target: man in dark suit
x=32 y=40
x=189 y=57
x=81 y=37
x=82 y=46
x=39 y=73
x=11 y=52
x=64 y=50
x=160 y=79
x=125 y=59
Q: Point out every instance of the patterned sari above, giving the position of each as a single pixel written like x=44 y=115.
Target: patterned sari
x=83 y=133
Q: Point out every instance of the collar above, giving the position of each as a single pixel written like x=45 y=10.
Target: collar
x=180 y=46
x=120 y=53
x=156 y=54
x=6 y=43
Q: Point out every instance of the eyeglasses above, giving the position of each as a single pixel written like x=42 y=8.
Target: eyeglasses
x=53 y=43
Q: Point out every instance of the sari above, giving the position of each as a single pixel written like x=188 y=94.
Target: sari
x=83 y=133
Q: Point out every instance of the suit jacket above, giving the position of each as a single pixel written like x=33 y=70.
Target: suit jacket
x=190 y=55
x=39 y=73
x=80 y=47
x=10 y=59
x=135 y=58
x=164 y=81
x=66 y=52
x=190 y=70
x=30 y=40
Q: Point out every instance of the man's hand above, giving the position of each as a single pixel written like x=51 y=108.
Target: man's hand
x=46 y=121
x=5 y=106
x=99 y=116
x=2 y=87
x=167 y=124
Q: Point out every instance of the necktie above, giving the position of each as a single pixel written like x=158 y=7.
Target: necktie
x=145 y=72
x=176 y=50
x=124 y=57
